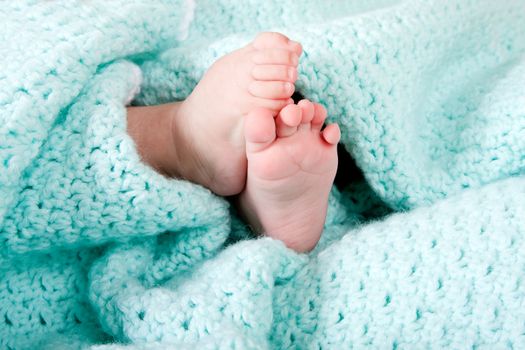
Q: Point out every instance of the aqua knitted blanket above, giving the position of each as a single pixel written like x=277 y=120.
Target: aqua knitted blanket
x=99 y=251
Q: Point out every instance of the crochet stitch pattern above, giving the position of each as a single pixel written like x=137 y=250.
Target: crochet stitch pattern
x=99 y=251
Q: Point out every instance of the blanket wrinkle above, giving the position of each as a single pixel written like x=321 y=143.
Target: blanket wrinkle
x=98 y=251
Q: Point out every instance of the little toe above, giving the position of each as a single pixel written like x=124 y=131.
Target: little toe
x=308 y=110
x=269 y=72
x=319 y=117
x=271 y=89
x=268 y=40
x=331 y=134
x=259 y=129
x=288 y=120
x=276 y=56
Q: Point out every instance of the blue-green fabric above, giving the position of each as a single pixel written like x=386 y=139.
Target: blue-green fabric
x=99 y=251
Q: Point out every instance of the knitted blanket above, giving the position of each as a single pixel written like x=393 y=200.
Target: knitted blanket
x=99 y=251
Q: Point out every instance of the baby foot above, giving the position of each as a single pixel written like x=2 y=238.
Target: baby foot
x=291 y=168
x=207 y=126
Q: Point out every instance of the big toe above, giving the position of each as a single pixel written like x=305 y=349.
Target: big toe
x=287 y=120
x=308 y=110
x=259 y=129
x=319 y=117
x=269 y=40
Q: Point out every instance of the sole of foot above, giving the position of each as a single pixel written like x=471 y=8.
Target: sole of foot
x=292 y=163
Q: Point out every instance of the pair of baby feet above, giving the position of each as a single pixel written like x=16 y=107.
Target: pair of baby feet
x=240 y=133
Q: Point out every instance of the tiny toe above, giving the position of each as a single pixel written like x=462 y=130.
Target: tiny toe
x=307 y=109
x=259 y=129
x=288 y=120
x=268 y=40
x=268 y=72
x=271 y=89
x=319 y=116
x=276 y=56
x=332 y=134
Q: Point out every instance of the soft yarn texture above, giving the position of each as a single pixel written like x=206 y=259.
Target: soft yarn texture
x=99 y=251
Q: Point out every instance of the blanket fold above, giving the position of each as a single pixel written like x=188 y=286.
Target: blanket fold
x=52 y=50
x=99 y=251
